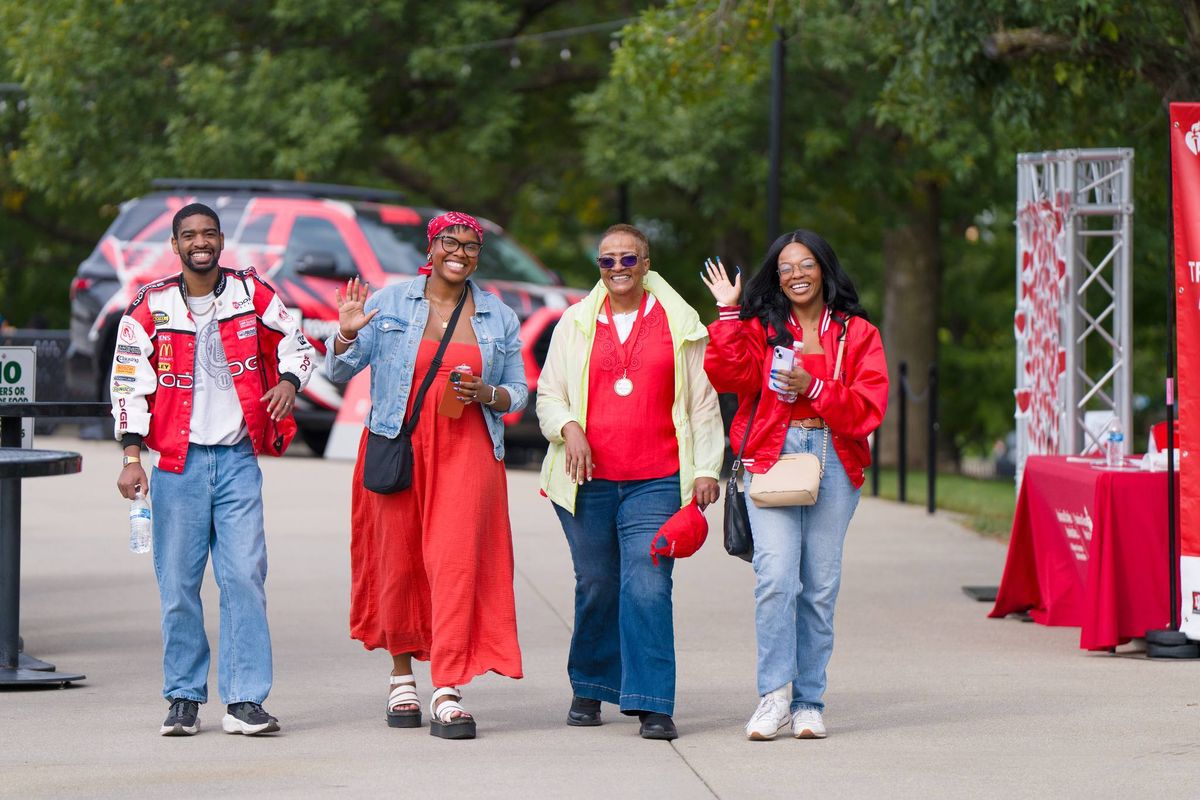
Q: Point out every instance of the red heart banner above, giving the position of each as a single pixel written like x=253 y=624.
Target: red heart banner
x=1024 y=396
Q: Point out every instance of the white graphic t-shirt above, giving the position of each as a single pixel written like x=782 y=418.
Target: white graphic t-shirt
x=216 y=412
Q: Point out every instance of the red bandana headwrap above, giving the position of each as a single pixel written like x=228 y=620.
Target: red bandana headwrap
x=448 y=220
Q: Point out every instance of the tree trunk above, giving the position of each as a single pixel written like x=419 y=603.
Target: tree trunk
x=912 y=291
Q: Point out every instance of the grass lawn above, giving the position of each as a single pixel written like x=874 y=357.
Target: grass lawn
x=986 y=505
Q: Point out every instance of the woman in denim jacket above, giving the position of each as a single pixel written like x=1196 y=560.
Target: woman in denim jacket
x=432 y=565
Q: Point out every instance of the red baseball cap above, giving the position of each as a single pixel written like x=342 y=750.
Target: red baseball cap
x=681 y=535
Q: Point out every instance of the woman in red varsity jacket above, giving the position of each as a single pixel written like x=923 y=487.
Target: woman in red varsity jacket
x=800 y=307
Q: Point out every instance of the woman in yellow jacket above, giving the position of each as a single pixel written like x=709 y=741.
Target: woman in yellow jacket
x=635 y=434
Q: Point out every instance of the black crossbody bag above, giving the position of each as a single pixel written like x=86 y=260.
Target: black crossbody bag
x=739 y=541
x=387 y=462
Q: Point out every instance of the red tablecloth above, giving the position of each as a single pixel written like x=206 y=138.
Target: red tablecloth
x=1088 y=548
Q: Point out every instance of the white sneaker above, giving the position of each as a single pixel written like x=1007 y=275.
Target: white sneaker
x=771 y=716
x=808 y=724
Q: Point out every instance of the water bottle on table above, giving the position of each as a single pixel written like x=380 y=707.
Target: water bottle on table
x=1114 y=444
x=139 y=524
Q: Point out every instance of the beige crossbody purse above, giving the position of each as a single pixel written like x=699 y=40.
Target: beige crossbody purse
x=795 y=479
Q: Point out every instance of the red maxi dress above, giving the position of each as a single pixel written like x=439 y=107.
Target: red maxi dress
x=432 y=566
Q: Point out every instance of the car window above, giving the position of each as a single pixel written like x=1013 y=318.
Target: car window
x=396 y=251
x=257 y=231
x=316 y=235
x=401 y=248
x=503 y=259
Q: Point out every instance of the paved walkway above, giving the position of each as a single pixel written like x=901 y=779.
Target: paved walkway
x=927 y=697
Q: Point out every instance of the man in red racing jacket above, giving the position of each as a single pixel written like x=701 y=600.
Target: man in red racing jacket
x=205 y=372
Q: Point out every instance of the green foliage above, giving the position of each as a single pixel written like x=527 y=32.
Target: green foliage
x=882 y=97
x=985 y=505
x=395 y=93
x=881 y=94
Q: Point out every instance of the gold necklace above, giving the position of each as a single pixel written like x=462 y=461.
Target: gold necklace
x=445 y=323
x=198 y=312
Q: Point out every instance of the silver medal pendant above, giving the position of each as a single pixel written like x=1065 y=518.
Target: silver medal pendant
x=623 y=386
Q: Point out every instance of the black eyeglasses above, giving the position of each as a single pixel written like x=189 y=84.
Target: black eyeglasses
x=451 y=245
x=608 y=262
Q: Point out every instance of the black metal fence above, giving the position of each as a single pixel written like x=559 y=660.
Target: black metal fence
x=904 y=394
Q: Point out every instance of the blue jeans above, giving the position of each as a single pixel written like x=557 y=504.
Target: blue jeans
x=215 y=503
x=797 y=569
x=623 y=645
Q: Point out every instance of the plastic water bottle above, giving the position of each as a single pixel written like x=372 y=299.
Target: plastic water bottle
x=1114 y=445
x=139 y=524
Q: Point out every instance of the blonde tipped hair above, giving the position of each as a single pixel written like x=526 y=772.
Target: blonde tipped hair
x=630 y=230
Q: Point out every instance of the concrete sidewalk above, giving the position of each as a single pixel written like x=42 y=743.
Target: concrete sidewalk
x=927 y=697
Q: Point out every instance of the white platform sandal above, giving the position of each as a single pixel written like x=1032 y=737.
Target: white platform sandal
x=443 y=723
x=404 y=693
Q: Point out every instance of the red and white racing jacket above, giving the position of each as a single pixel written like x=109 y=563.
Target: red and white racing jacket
x=152 y=373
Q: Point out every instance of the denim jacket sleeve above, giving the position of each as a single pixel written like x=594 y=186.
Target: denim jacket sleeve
x=343 y=367
x=512 y=378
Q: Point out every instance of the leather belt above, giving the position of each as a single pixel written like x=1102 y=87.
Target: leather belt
x=808 y=422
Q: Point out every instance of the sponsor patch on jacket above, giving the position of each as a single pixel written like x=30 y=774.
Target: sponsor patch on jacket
x=246 y=334
x=164 y=366
x=127 y=333
x=240 y=304
x=124 y=379
x=122 y=389
x=127 y=359
x=160 y=317
x=246 y=322
x=132 y=350
x=125 y=369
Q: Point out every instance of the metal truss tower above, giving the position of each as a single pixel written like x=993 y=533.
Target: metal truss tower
x=1090 y=196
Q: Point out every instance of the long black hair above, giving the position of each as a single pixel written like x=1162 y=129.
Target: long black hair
x=764 y=299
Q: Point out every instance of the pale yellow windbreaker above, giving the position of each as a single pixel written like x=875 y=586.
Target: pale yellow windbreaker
x=562 y=391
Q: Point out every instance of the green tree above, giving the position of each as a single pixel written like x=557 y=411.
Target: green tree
x=1036 y=76
x=903 y=123
x=699 y=69
x=398 y=92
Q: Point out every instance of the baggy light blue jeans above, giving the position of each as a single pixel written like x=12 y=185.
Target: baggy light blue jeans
x=798 y=569
x=214 y=504
x=623 y=645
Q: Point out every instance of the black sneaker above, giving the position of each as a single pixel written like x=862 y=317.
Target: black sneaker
x=248 y=718
x=585 y=712
x=183 y=719
x=657 y=726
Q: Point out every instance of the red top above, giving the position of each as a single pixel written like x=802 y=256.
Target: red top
x=814 y=364
x=633 y=438
x=852 y=403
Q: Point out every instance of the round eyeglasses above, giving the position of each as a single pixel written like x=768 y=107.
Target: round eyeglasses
x=608 y=262
x=451 y=245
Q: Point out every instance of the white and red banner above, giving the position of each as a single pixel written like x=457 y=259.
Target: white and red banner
x=1037 y=324
x=1185 y=182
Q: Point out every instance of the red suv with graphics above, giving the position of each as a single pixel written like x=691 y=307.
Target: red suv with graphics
x=305 y=239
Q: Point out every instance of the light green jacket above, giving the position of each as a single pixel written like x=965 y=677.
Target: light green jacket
x=562 y=391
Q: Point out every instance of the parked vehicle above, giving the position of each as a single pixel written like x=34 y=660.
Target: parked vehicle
x=306 y=239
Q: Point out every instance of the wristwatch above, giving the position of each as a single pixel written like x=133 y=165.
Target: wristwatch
x=127 y=460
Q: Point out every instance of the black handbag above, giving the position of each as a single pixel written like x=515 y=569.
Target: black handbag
x=739 y=540
x=387 y=462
